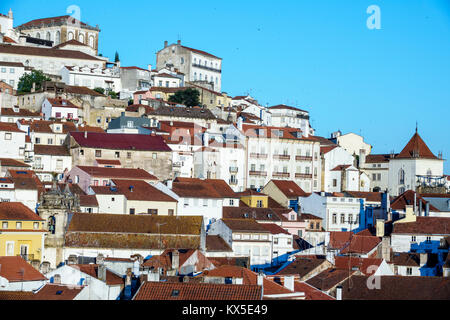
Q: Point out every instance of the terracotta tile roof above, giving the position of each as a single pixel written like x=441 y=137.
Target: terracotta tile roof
x=416 y=148
x=51 y=150
x=195 y=190
x=244 y=225
x=16 y=295
x=7 y=162
x=201 y=52
x=329 y=278
x=397 y=288
x=211 y=188
x=377 y=158
x=228 y=261
x=16 y=269
x=249 y=278
x=311 y=293
x=92 y=269
x=66 y=20
x=361 y=244
x=108 y=162
x=272 y=132
x=82 y=91
x=139 y=190
x=134 y=67
x=182 y=225
x=274 y=228
x=342 y=167
x=405 y=259
x=301 y=267
x=61 y=103
x=117 y=141
x=259 y=214
x=282 y=106
x=20 y=113
x=289 y=188
x=118 y=173
x=88 y=201
x=57 y=292
x=8 y=40
x=217 y=244
x=407 y=198
x=72 y=42
x=339 y=239
x=250 y=192
x=9 y=127
x=271 y=203
x=182 y=112
x=325 y=150
x=165 y=75
x=46 y=52
x=197 y=291
x=17 y=211
x=365 y=265
x=308 y=216
x=135 y=107
x=424 y=225
x=369 y=196
x=323 y=141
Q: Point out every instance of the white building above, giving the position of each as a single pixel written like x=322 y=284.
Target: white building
x=415 y=166
x=12 y=141
x=11 y=72
x=376 y=166
x=60 y=109
x=166 y=80
x=247 y=238
x=286 y=116
x=49 y=160
x=199 y=66
x=352 y=143
x=281 y=242
x=339 y=213
x=105 y=78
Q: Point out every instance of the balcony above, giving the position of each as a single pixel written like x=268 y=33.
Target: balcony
x=234 y=169
x=258 y=173
x=282 y=157
x=303 y=176
x=303 y=158
x=258 y=155
x=233 y=182
x=206 y=68
x=281 y=175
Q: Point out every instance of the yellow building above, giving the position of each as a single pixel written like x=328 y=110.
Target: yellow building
x=21 y=231
x=254 y=199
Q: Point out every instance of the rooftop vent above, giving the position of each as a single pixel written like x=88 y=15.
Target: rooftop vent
x=175 y=293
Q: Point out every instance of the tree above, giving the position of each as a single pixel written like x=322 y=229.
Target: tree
x=26 y=81
x=99 y=90
x=113 y=95
x=116 y=58
x=188 y=97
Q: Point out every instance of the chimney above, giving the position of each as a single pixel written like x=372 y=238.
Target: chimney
x=423 y=259
x=179 y=42
x=166 y=44
x=85 y=134
x=73 y=259
x=10 y=14
x=339 y=293
x=206 y=139
x=289 y=282
x=169 y=184
x=149 y=67
x=185 y=279
x=100 y=259
x=261 y=282
x=380 y=228
x=57 y=279
x=101 y=273
x=175 y=259
x=128 y=277
x=362 y=157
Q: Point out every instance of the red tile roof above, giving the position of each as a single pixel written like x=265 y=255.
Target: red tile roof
x=274 y=228
x=361 y=244
x=201 y=52
x=329 y=278
x=217 y=244
x=20 y=113
x=139 y=190
x=7 y=162
x=92 y=269
x=108 y=162
x=289 y=188
x=46 y=52
x=118 y=173
x=369 y=196
x=137 y=142
x=377 y=158
x=407 y=198
x=365 y=265
x=67 y=20
x=88 y=201
x=339 y=239
x=16 y=269
x=244 y=225
x=424 y=225
x=197 y=291
x=51 y=150
x=311 y=293
x=324 y=150
x=61 y=103
x=342 y=167
x=249 y=278
x=416 y=148
x=72 y=42
x=10 y=127
x=53 y=291
x=17 y=211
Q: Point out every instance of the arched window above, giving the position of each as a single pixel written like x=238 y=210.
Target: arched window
x=334 y=218
x=81 y=38
x=48 y=36
x=91 y=41
x=429 y=173
x=57 y=38
x=401 y=190
x=38 y=35
x=195 y=76
x=200 y=76
x=71 y=36
x=401 y=177
x=206 y=77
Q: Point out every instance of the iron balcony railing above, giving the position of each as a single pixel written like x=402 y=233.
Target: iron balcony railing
x=281 y=174
x=258 y=155
x=258 y=173
x=303 y=158
x=303 y=175
x=282 y=157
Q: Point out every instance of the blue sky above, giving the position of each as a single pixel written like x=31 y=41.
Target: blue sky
x=317 y=55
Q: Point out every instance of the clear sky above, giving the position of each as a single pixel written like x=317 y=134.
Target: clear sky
x=317 y=55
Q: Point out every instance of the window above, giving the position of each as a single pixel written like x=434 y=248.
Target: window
x=18 y=225
x=98 y=153
x=81 y=152
x=300 y=233
x=9 y=249
x=342 y=218
x=259 y=204
x=428 y=240
x=8 y=136
x=152 y=211
x=154 y=156
x=36 y=225
x=128 y=155
x=275 y=240
x=408 y=271
x=231 y=202
x=334 y=182
x=95 y=182
x=3 y=70
x=171 y=212
x=311 y=225
x=117 y=154
x=334 y=218
x=205 y=202
x=350 y=218
x=113 y=199
x=379 y=176
x=374 y=177
x=317 y=225
x=413 y=239
x=4 y=225
x=49 y=141
x=132 y=210
x=401 y=176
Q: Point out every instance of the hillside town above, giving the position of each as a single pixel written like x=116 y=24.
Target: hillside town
x=123 y=182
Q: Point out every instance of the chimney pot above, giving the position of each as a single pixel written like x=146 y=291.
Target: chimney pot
x=339 y=293
x=165 y=44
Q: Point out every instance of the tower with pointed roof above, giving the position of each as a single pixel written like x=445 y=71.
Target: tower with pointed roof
x=416 y=167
